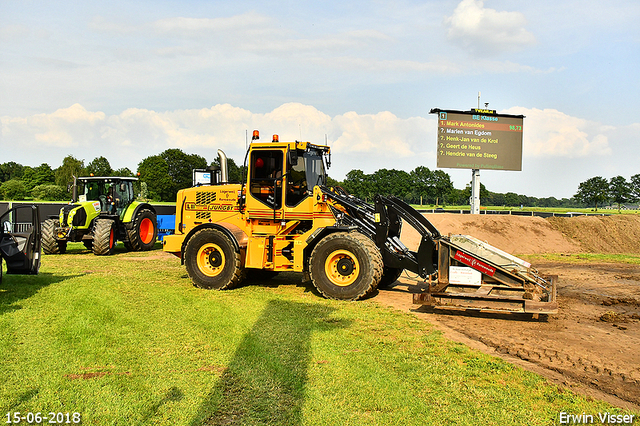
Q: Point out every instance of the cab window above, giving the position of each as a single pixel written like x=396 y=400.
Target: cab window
x=297 y=188
x=266 y=177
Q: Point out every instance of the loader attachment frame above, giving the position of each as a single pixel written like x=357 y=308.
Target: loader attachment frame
x=382 y=223
x=506 y=282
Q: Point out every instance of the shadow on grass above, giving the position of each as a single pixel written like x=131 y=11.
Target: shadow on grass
x=265 y=381
x=21 y=399
x=19 y=287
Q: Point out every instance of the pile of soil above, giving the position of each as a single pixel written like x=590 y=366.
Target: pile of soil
x=602 y=234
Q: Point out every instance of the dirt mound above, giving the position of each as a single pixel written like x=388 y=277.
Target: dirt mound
x=513 y=234
x=536 y=235
x=602 y=234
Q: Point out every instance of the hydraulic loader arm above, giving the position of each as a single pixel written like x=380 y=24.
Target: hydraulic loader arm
x=382 y=223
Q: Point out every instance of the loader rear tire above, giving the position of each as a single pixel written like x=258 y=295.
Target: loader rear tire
x=49 y=244
x=345 y=266
x=104 y=237
x=212 y=260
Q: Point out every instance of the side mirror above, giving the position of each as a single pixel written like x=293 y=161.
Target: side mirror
x=292 y=157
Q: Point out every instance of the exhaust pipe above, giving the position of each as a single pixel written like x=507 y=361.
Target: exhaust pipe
x=224 y=171
x=74 y=192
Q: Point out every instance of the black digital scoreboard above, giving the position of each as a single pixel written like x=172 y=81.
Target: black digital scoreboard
x=479 y=139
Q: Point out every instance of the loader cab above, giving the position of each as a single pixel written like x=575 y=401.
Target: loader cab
x=285 y=174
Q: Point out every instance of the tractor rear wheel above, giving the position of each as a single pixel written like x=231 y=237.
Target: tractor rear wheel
x=144 y=233
x=49 y=244
x=346 y=266
x=212 y=260
x=104 y=237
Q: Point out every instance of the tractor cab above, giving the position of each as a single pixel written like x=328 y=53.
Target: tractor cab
x=114 y=194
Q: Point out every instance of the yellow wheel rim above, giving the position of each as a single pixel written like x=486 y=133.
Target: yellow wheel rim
x=342 y=268
x=211 y=259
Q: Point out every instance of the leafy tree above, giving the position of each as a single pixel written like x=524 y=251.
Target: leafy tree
x=99 y=166
x=634 y=190
x=70 y=167
x=123 y=172
x=331 y=182
x=10 y=170
x=236 y=173
x=422 y=182
x=49 y=193
x=464 y=197
x=154 y=172
x=392 y=182
x=593 y=191
x=169 y=172
x=358 y=184
x=41 y=175
x=443 y=186
x=619 y=190
x=13 y=189
x=458 y=197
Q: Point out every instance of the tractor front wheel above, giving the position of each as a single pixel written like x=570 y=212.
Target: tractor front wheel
x=104 y=237
x=144 y=233
x=49 y=243
x=346 y=266
x=212 y=261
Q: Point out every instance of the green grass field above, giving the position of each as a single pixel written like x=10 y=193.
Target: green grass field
x=127 y=340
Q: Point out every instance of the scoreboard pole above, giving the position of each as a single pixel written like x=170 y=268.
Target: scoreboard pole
x=475 y=191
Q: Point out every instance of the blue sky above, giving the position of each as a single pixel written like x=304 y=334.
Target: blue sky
x=130 y=79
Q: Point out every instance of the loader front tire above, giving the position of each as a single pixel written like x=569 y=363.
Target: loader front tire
x=345 y=266
x=104 y=237
x=49 y=244
x=212 y=261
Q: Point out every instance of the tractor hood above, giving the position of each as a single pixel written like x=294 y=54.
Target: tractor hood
x=79 y=215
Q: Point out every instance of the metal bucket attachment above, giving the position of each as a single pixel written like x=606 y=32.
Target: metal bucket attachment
x=475 y=275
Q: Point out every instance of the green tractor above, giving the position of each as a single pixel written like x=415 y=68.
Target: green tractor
x=105 y=212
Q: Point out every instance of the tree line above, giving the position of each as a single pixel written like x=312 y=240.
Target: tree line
x=163 y=175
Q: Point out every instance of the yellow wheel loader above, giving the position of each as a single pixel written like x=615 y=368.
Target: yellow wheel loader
x=285 y=218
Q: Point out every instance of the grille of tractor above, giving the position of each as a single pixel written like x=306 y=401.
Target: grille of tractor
x=203 y=215
x=79 y=218
x=204 y=198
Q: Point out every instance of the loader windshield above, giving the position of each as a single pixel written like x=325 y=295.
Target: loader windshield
x=304 y=172
x=314 y=169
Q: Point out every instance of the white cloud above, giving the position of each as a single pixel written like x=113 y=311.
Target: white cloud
x=358 y=141
x=551 y=133
x=366 y=141
x=487 y=31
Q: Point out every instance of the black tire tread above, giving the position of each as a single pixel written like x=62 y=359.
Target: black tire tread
x=134 y=243
x=238 y=274
x=101 y=237
x=371 y=250
x=49 y=244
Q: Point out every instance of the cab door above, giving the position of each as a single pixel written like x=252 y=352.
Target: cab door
x=20 y=240
x=266 y=172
